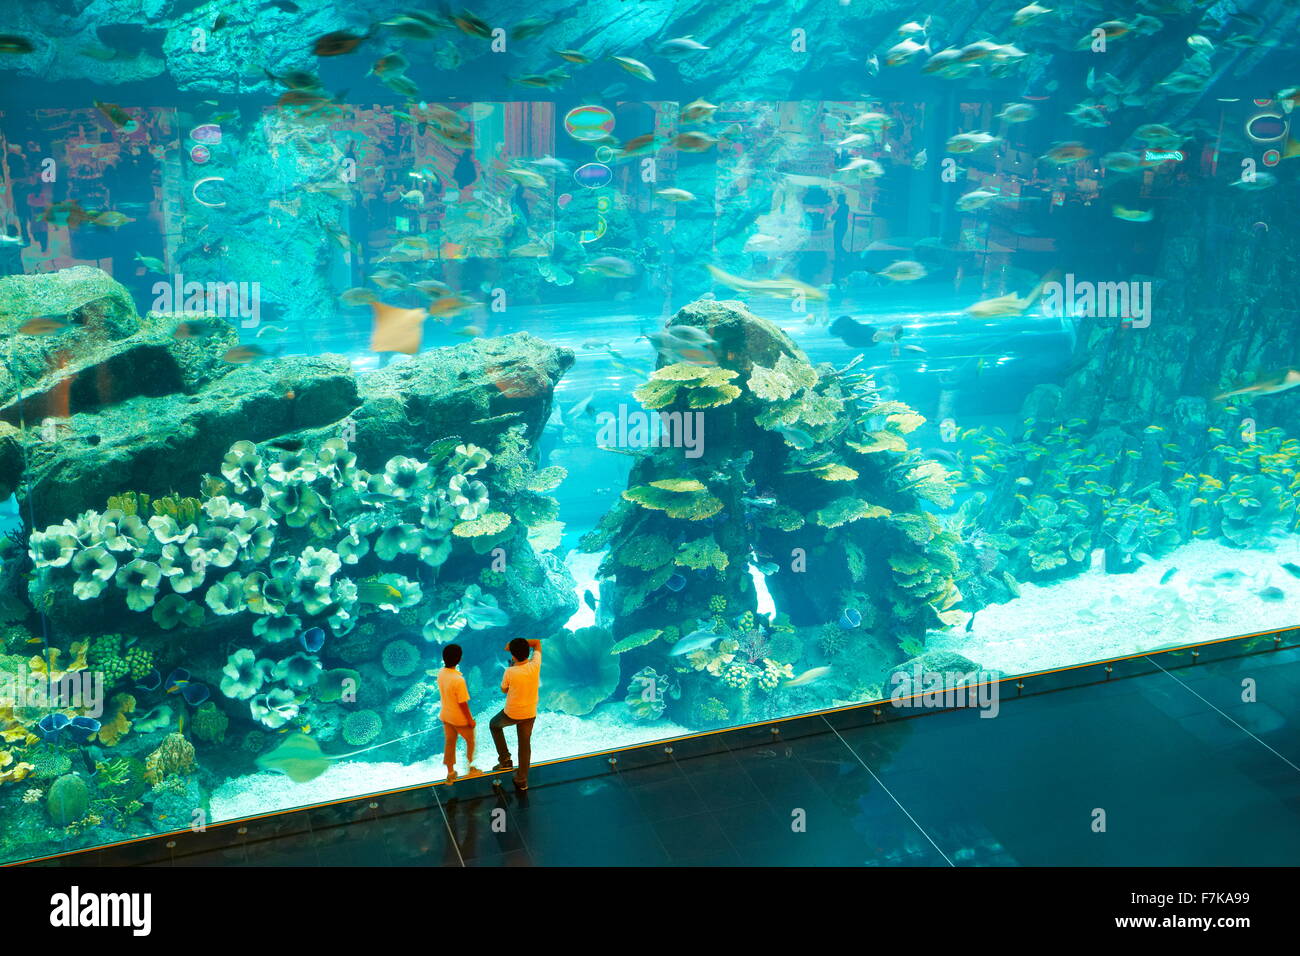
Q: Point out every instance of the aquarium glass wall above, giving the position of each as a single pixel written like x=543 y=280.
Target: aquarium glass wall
x=756 y=359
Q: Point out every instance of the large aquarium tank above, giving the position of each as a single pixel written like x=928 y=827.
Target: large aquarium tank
x=749 y=356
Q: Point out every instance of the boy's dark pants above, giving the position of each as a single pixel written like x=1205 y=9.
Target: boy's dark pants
x=524 y=729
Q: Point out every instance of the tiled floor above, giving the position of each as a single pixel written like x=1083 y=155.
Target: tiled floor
x=1179 y=763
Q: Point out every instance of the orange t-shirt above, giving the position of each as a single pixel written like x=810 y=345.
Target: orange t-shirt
x=520 y=684
x=454 y=692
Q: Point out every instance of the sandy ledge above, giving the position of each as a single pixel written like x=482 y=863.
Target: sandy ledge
x=1096 y=615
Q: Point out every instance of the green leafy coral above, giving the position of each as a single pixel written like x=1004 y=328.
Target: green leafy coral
x=684 y=498
x=703 y=387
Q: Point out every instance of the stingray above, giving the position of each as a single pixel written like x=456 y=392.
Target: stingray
x=396 y=330
x=300 y=759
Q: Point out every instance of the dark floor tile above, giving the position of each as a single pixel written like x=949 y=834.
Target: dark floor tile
x=511 y=858
x=724 y=788
x=631 y=844
x=699 y=835
x=665 y=799
x=298 y=850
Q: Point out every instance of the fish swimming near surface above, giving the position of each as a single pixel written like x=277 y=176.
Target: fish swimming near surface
x=117 y=116
x=472 y=25
x=694 y=141
x=905 y=270
x=357 y=296
x=1062 y=154
x=396 y=329
x=905 y=51
x=697 y=110
x=1271 y=594
x=1168 y=576
x=1028 y=14
x=676 y=195
x=338 y=43
x=970 y=142
x=1131 y=215
x=635 y=67
x=782 y=288
x=1291 y=568
x=680 y=45
x=1009 y=304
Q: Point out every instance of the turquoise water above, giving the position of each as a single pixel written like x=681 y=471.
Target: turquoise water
x=334 y=336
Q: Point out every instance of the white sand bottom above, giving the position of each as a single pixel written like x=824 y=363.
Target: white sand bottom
x=1096 y=615
x=554 y=736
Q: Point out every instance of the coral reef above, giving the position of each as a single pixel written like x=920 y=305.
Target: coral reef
x=799 y=461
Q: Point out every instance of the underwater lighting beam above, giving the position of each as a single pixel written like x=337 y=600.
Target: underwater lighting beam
x=765 y=603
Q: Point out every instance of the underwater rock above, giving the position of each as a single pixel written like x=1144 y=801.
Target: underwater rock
x=66 y=291
x=473 y=391
x=152 y=362
x=902 y=680
x=746 y=339
x=97 y=309
x=805 y=506
x=107 y=452
x=1210 y=328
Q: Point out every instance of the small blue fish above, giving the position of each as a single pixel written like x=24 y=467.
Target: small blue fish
x=312 y=639
x=850 y=618
x=695 y=641
x=675 y=582
x=589 y=599
x=1168 y=576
